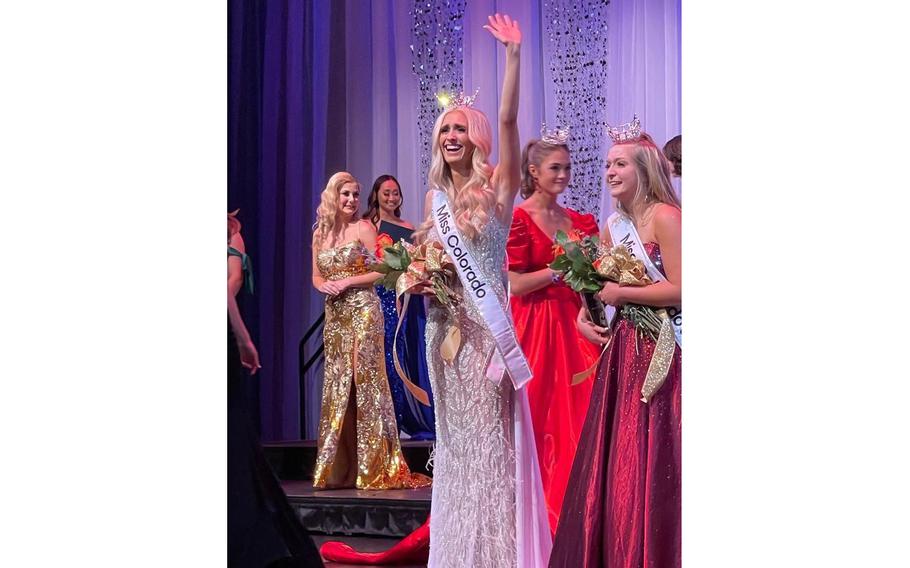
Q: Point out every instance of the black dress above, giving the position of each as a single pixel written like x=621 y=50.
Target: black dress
x=263 y=530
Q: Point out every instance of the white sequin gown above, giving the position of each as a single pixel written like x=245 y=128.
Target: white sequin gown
x=488 y=507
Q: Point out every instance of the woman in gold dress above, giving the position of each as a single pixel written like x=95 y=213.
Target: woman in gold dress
x=358 y=439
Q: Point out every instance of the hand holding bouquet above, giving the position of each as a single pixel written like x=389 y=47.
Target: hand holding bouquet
x=407 y=268
x=422 y=269
x=586 y=264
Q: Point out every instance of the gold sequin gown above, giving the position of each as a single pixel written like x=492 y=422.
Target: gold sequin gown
x=353 y=338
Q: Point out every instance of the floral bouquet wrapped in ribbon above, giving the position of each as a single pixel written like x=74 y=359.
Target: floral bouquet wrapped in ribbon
x=390 y=266
x=586 y=265
x=573 y=257
x=407 y=269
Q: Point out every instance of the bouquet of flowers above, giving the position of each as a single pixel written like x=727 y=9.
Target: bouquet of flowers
x=405 y=267
x=585 y=264
x=391 y=260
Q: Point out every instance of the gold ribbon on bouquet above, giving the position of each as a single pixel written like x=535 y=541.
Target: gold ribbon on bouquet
x=661 y=358
x=618 y=265
x=583 y=376
x=428 y=267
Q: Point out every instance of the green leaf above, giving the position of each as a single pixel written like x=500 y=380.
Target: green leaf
x=393 y=258
x=561 y=263
x=390 y=280
x=379 y=267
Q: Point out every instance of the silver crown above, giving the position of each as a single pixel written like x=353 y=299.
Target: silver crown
x=555 y=137
x=625 y=132
x=449 y=102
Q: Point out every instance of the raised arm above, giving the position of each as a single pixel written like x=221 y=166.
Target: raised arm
x=507 y=177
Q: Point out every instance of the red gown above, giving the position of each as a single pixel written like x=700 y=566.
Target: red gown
x=623 y=506
x=545 y=326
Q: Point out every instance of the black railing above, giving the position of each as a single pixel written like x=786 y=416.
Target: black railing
x=304 y=365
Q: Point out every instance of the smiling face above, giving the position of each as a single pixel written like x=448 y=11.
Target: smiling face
x=349 y=200
x=389 y=197
x=622 y=177
x=554 y=172
x=453 y=138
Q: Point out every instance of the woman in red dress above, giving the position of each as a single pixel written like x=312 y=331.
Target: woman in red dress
x=544 y=310
x=622 y=507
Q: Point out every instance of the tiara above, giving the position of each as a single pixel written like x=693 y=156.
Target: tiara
x=555 y=137
x=625 y=132
x=449 y=102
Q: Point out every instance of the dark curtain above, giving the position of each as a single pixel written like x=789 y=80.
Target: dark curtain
x=285 y=85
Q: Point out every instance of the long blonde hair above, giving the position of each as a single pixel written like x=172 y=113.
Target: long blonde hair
x=653 y=173
x=471 y=205
x=327 y=212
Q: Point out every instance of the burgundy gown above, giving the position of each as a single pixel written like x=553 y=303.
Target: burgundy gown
x=622 y=506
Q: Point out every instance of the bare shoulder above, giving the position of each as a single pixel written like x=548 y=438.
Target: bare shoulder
x=667 y=216
x=366 y=225
x=237 y=242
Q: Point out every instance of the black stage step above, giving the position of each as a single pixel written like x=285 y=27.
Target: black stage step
x=386 y=513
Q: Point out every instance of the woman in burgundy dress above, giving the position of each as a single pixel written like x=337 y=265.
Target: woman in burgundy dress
x=622 y=507
x=544 y=311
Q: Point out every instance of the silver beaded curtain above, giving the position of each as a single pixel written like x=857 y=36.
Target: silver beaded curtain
x=437 y=62
x=575 y=50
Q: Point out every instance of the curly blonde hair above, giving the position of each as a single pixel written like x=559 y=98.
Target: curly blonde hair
x=471 y=205
x=653 y=172
x=327 y=212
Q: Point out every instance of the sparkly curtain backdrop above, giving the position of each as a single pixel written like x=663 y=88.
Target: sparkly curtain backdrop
x=644 y=64
x=316 y=86
x=436 y=51
x=576 y=50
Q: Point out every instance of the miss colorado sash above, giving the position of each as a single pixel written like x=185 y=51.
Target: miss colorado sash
x=478 y=291
x=623 y=233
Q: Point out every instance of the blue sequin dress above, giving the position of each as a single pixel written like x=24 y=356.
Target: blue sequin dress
x=414 y=419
